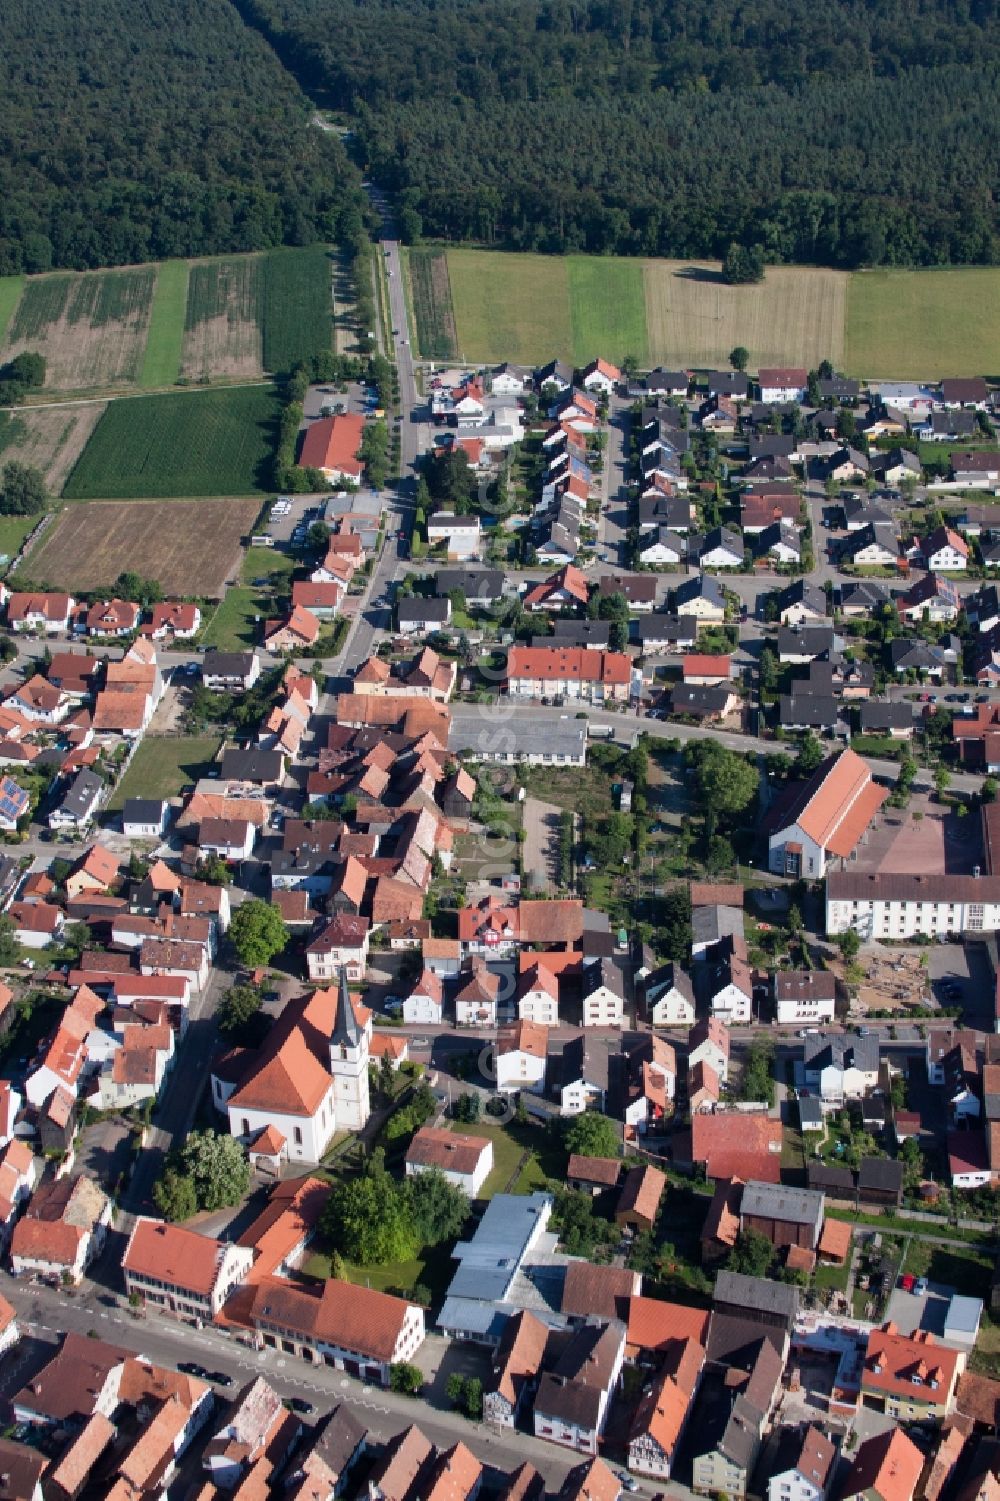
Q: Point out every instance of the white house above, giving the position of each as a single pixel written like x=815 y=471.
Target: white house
x=670 y=997
x=466 y=1161
x=459 y=534
x=601 y=376
x=897 y=907
x=603 y=994
x=945 y=551
x=730 y=987
x=708 y=1043
x=229 y=838
x=538 y=996
x=521 y=1052
x=342 y=945
x=662 y=548
x=144 y=818
x=782 y=385
x=508 y=380
x=180 y=1271
x=804 y=1467
x=723 y=548
x=424 y=1006
x=840 y=1066
x=804 y=996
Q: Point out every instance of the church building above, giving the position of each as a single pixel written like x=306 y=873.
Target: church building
x=307 y=1081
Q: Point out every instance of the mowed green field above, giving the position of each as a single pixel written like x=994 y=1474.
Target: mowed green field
x=297 y=308
x=924 y=324
x=161 y=361
x=530 y=308
x=186 y=444
x=488 y=306
x=11 y=290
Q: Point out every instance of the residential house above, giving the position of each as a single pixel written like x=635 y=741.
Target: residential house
x=62 y=1230
x=975 y=470
x=728 y=981
x=459 y=535
x=342 y=944
x=885 y=1467
x=737 y=1145
x=476 y=997
x=670 y=1000
x=45 y=614
x=804 y=1466
x=416 y=615
x=79 y=803
x=930 y=598
x=721 y=548
x=892 y=719
x=173 y=618
x=565 y=589
x=520 y=1057
x=662 y=1414
x=466 y=1161
x=909 y=1377
x=144 y=818
x=603 y=994
x=708 y=1042
x=573 y=1397
x=945 y=550
x=230 y=671
x=639 y=1201
x=592 y=676
x=840 y=1066
x=804 y=997
x=516 y=1368
x=601 y=376
x=660 y=632
x=787 y=1216
x=779 y=385
x=424 y=1004
x=874 y=545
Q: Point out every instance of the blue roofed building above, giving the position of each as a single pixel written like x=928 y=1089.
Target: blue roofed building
x=484 y=1292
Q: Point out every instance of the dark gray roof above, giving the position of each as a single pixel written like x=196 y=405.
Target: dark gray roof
x=227 y=664
x=415 y=608
x=839 y=386
x=346 y=1031
x=669 y=977
x=802 y=1206
x=841 y=1050
x=803 y=591
x=709 y=924
x=475 y=583
x=660 y=626
x=806 y=640
x=814 y=710
x=606 y=972
x=142 y=810
x=915 y=653
x=886 y=716
x=593 y=633
x=695 y=699
x=82 y=790
x=832 y=1180
x=867 y=592
x=728 y=383
x=880 y=1173
x=253 y=765
x=757 y=1293
x=700 y=586
x=585 y=1058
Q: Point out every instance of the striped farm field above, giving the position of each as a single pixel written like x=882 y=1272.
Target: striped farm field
x=795 y=316
x=212 y=442
x=91 y=328
x=222 y=326
x=430 y=300
x=914 y=325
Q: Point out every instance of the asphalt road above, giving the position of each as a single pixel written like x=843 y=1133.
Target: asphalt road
x=627 y=725
x=44 y=1315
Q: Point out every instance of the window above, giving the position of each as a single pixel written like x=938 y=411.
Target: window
x=298 y=1135
x=246 y=1127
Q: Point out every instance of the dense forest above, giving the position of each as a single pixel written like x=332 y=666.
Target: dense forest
x=133 y=130
x=855 y=132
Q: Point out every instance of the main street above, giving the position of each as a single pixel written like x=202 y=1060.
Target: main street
x=44 y=1315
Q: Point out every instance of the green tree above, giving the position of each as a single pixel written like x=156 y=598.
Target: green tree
x=257 y=933
x=676 y=920
x=942 y=780
x=131 y=585
x=743 y=264
x=369 y=1222
x=214 y=870
x=849 y=943
x=217 y=1166
x=752 y=1254
x=739 y=357
x=438 y=1209
x=768 y=670
x=22 y=490
x=26 y=369
x=727 y=782
x=239 y=1012
x=591 y=1135
x=405 y=1378
x=174 y=1195
x=810 y=752
x=386 y=1075
x=468 y=1108
x=10 y=950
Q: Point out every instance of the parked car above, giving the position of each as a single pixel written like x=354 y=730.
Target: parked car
x=192 y=1368
x=921 y=1287
x=299 y=1404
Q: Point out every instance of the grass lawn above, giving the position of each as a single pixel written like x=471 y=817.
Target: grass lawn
x=510 y=307
x=832 y=1278
x=13 y=530
x=164 y=764
x=161 y=361
x=506 y=1155
x=968 y=1272
x=912 y=325
x=267 y=562
x=433 y=1268
x=235 y=624
x=11 y=288
x=607 y=308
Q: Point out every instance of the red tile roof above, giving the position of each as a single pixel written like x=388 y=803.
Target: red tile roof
x=733 y=1145
x=333 y=443
x=575 y=664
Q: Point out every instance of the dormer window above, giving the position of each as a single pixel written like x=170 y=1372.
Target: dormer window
x=877 y=1367
x=915 y=1380
x=934 y=1384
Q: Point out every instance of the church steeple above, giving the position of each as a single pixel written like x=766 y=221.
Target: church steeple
x=346 y=1032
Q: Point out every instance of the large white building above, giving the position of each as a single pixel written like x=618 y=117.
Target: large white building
x=901 y=906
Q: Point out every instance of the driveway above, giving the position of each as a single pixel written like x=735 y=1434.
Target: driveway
x=541 y=843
